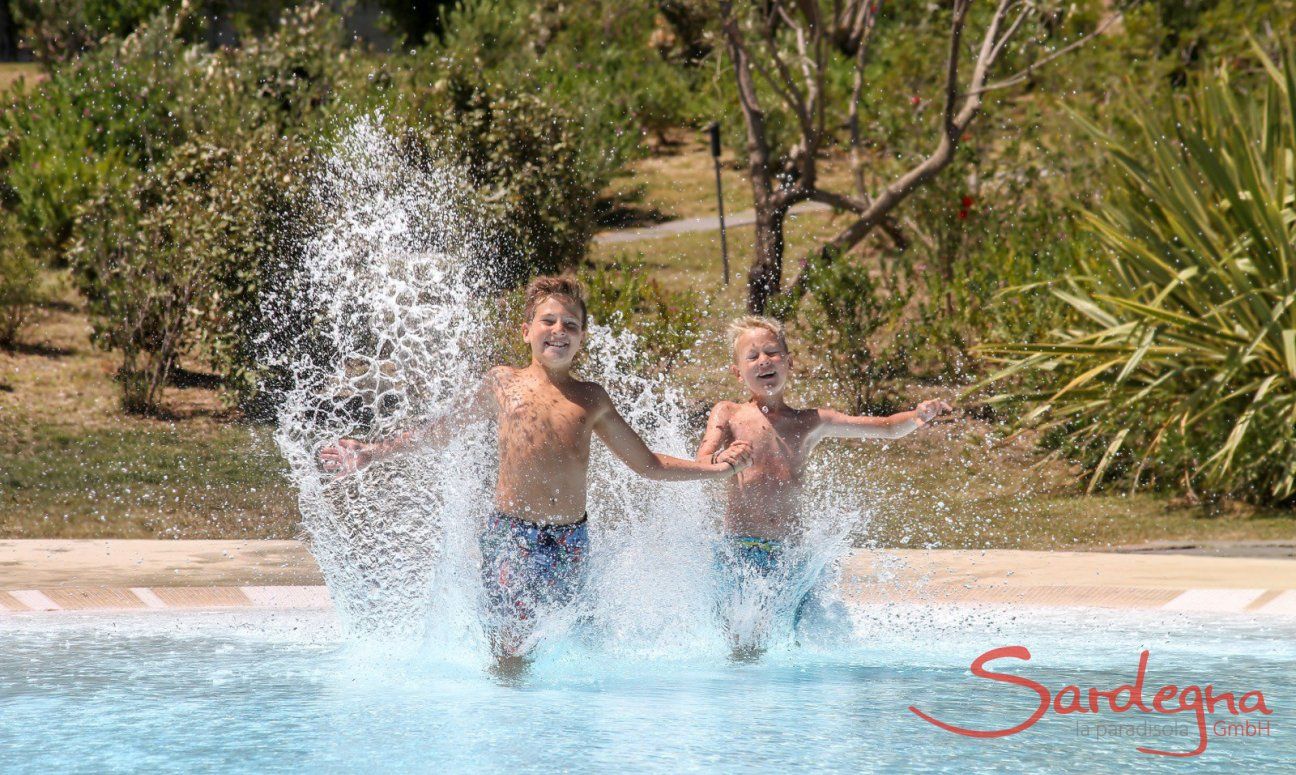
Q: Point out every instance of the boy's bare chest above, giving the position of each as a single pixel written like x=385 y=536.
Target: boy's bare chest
x=542 y=412
x=778 y=440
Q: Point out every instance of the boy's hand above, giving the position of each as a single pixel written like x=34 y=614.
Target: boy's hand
x=930 y=410
x=346 y=457
x=737 y=456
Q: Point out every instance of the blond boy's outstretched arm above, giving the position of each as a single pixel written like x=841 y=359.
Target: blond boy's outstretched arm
x=619 y=437
x=349 y=455
x=844 y=426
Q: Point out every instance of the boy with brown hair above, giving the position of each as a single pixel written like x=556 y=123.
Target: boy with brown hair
x=761 y=513
x=535 y=542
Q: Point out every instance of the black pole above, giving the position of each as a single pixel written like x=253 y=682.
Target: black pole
x=714 y=130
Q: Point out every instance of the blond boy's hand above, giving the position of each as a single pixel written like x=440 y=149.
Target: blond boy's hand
x=930 y=410
x=737 y=455
x=346 y=457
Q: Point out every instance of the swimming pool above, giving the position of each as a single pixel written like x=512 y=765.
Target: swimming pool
x=250 y=691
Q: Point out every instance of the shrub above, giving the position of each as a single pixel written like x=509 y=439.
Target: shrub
x=1184 y=367
x=121 y=106
x=21 y=285
x=599 y=58
x=525 y=165
x=667 y=323
x=164 y=168
x=59 y=30
x=852 y=314
x=144 y=260
x=170 y=262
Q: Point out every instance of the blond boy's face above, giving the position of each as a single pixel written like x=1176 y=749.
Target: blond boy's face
x=761 y=363
x=554 y=332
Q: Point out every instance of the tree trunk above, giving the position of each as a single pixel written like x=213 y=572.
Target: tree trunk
x=765 y=278
x=8 y=35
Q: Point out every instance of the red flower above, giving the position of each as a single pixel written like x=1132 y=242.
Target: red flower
x=963 y=214
x=966 y=202
x=914 y=100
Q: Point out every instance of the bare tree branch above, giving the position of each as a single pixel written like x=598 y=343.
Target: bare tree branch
x=802 y=30
x=1026 y=72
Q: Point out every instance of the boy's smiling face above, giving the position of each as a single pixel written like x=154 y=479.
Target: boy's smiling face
x=761 y=362
x=554 y=332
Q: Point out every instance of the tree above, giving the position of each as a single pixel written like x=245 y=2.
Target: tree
x=8 y=34
x=786 y=47
x=415 y=20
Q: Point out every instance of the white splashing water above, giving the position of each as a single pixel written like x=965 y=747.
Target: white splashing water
x=395 y=279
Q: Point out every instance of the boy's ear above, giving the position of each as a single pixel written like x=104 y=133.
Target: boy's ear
x=733 y=369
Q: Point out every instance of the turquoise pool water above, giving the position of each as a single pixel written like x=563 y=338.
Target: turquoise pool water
x=262 y=692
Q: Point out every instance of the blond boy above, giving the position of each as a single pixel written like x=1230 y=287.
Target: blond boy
x=761 y=511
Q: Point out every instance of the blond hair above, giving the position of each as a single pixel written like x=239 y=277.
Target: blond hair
x=552 y=287
x=747 y=323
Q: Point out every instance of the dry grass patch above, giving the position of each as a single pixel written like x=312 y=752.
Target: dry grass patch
x=12 y=72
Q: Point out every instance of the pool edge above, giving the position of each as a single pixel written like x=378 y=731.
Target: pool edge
x=1212 y=600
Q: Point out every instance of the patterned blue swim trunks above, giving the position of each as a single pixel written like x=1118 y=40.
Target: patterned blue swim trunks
x=764 y=572
x=528 y=568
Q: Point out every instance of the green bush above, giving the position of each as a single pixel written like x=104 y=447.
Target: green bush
x=598 y=58
x=145 y=259
x=21 y=284
x=667 y=323
x=59 y=30
x=175 y=210
x=123 y=105
x=1183 y=369
x=853 y=316
x=526 y=165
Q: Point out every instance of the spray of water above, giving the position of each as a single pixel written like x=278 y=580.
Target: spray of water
x=393 y=280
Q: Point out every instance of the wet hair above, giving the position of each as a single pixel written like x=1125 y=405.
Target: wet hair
x=747 y=323
x=548 y=287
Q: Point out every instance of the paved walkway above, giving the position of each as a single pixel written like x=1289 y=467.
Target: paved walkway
x=51 y=575
x=692 y=225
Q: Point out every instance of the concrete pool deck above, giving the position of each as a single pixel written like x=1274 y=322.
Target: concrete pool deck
x=80 y=575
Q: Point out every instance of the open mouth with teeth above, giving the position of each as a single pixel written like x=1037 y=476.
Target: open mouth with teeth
x=555 y=345
x=767 y=374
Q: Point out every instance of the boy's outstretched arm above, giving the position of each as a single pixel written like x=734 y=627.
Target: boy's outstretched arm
x=844 y=426
x=349 y=455
x=619 y=437
x=717 y=435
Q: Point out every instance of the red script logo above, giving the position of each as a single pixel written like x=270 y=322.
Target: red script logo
x=1189 y=699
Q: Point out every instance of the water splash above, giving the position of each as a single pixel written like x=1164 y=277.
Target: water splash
x=395 y=278
x=392 y=280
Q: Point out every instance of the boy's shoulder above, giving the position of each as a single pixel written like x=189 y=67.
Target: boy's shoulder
x=723 y=410
x=591 y=393
x=498 y=378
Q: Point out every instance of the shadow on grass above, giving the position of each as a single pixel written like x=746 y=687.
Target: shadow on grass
x=626 y=210
x=41 y=350
x=184 y=378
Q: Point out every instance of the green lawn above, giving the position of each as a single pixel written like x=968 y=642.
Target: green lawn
x=681 y=182
x=170 y=480
x=72 y=465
